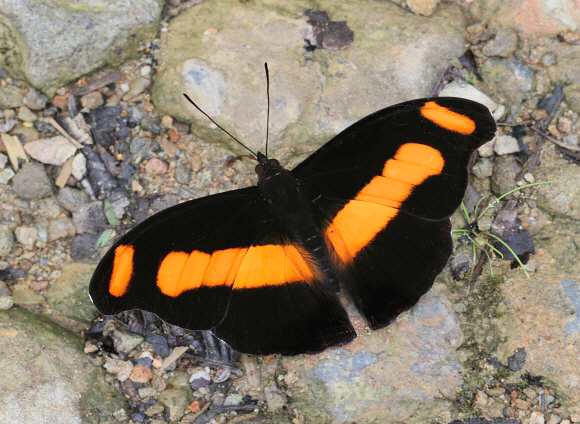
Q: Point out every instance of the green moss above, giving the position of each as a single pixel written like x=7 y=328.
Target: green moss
x=482 y=337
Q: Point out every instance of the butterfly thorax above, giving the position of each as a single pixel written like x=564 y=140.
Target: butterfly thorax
x=291 y=206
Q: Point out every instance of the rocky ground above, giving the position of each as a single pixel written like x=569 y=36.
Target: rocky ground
x=95 y=137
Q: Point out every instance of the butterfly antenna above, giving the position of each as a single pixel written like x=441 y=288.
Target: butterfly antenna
x=268 y=112
x=218 y=125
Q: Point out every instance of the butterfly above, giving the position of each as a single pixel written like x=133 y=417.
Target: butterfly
x=262 y=266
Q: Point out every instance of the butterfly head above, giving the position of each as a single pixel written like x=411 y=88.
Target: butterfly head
x=267 y=167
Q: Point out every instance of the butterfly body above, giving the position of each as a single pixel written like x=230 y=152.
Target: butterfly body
x=367 y=213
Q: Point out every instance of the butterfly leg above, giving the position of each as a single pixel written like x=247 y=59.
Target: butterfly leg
x=217 y=350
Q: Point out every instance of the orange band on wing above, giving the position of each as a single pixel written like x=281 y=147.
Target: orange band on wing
x=242 y=268
x=359 y=221
x=122 y=270
x=272 y=265
x=447 y=119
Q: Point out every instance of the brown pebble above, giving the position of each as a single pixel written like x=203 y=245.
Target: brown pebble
x=37 y=286
x=60 y=101
x=522 y=404
x=141 y=374
x=195 y=163
x=173 y=135
x=194 y=406
x=155 y=166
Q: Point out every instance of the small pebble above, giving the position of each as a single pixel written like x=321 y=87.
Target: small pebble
x=141 y=374
x=156 y=166
x=145 y=70
x=6 y=175
x=505 y=145
x=6 y=302
x=92 y=100
x=26 y=115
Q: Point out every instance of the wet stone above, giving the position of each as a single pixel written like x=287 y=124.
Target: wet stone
x=32 y=182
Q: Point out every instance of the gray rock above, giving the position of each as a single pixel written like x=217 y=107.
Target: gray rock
x=68 y=387
x=61 y=228
x=364 y=382
x=34 y=100
x=55 y=43
x=6 y=175
x=151 y=124
x=559 y=198
x=503 y=44
x=503 y=178
x=3 y=160
x=313 y=96
x=26 y=115
x=6 y=240
x=92 y=100
x=567 y=72
x=572 y=292
x=510 y=78
x=89 y=217
x=505 y=145
x=464 y=90
x=10 y=97
x=483 y=168
x=26 y=235
x=68 y=196
x=32 y=182
x=274 y=398
x=69 y=294
x=138 y=86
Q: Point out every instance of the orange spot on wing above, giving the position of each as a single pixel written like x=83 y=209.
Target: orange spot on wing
x=361 y=219
x=447 y=118
x=122 y=270
x=272 y=265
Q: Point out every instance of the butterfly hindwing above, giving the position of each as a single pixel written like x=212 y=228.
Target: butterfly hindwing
x=384 y=190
